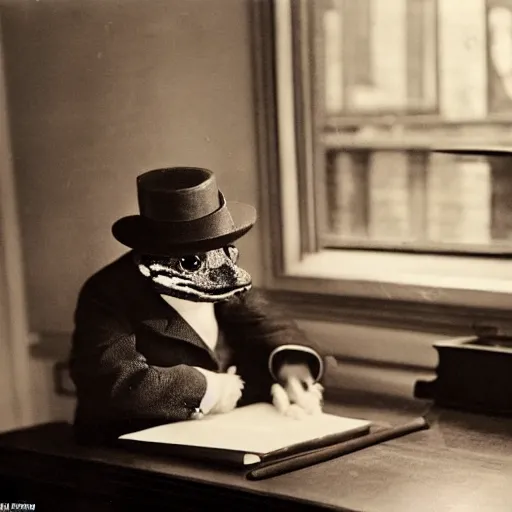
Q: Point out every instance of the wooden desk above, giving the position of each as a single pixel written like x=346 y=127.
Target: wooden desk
x=463 y=463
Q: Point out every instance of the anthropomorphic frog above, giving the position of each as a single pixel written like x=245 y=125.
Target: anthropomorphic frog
x=173 y=330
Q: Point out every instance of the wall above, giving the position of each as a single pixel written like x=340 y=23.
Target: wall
x=101 y=90
x=375 y=359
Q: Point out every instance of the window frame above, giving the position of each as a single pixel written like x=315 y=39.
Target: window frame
x=416 y=291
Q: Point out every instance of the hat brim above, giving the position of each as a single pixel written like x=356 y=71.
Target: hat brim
x=148 y=237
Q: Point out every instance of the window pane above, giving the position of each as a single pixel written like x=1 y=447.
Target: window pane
x=500 y=55
x=372 y=69
x=418 y=200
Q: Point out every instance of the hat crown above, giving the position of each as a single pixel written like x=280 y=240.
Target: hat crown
x=182 y=212
x=177 y=194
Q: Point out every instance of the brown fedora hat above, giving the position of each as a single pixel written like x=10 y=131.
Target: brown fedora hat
x=182 y=211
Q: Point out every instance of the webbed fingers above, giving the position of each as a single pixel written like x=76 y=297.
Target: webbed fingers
x=279 y=398
x=296 y=412
x=310 y=399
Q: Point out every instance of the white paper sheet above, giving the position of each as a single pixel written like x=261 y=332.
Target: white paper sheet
x=257 y=428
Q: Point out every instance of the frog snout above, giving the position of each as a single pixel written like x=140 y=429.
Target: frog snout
x=230 y=276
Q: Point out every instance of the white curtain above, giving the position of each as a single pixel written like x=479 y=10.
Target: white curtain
x=15 y=406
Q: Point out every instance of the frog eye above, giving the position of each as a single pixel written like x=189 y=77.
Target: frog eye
x=232 y=252
x=190 y=263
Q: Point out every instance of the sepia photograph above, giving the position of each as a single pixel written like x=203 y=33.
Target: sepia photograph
x=256 y=254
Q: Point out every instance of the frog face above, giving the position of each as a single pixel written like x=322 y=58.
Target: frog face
x=204 y=277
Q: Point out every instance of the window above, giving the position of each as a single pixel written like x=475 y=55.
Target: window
x=356 y=95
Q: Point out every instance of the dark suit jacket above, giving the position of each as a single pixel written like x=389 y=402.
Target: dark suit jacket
x=133 y=355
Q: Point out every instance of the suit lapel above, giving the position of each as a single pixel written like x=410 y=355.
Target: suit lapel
x=171 y=324
x=178 y=328
x=151 y=310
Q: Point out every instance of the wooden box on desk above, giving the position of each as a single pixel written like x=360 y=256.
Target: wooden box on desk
x=474 y=374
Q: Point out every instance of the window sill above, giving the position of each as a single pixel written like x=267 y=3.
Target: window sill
x=420 y=279
x=399 y=308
